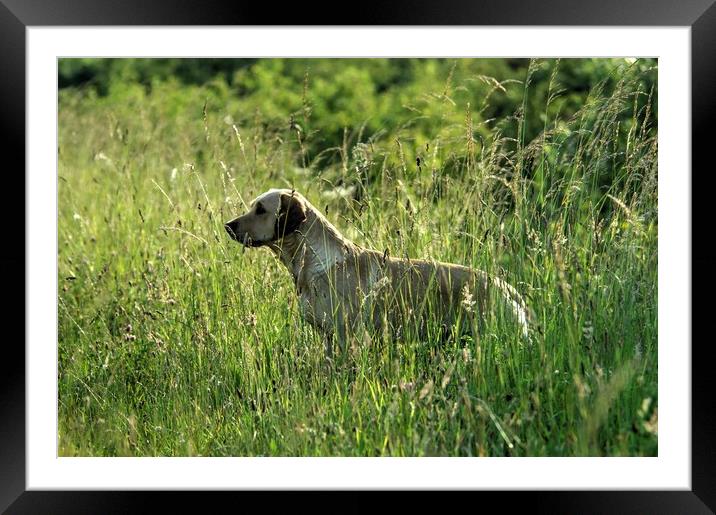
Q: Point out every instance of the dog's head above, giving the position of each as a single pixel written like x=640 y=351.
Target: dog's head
x=272 y=216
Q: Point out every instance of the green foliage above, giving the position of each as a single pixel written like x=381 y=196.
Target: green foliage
x=350 y=100
x=175 y=341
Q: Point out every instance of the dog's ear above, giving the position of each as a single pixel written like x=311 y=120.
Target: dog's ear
x=291 y=214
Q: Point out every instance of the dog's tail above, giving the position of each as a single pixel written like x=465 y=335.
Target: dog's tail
x=522 y=312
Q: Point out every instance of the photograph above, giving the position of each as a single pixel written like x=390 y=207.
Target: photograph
x=357 y=257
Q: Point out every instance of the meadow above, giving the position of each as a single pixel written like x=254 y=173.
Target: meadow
x=174 y=340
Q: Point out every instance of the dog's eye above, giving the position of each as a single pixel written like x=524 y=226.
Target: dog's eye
x=260 y=209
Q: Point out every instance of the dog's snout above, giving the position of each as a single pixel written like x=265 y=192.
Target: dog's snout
x=231 y=228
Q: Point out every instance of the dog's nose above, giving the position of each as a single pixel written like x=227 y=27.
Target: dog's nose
x=230 y=228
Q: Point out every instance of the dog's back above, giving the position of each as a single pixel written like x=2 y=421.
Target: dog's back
x=378 y=292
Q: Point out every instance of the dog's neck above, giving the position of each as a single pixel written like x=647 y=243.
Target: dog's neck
x=311 y=250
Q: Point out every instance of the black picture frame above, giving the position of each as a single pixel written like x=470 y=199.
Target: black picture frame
x=16 y=15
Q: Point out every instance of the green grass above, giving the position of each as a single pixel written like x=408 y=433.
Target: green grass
x=175 y=341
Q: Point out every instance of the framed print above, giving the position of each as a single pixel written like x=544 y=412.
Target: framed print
x=480 y=279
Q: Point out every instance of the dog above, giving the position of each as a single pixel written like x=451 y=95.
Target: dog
x=345 y=290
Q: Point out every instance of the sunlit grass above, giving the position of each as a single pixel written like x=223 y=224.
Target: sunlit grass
x=174 y=340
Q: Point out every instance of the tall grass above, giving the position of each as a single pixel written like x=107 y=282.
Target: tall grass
x=173 y=340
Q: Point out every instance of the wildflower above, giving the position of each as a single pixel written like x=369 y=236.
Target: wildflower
x=101 y=156
x=339 y=192
x=600 y=371
x=406 y=386
x=588 y=330
x=652 y=425
x=426 y=390
x=467 y=301
x=644 y=409
x=250 y=320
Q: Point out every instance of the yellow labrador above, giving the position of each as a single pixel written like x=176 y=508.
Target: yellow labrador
x=345 y=289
